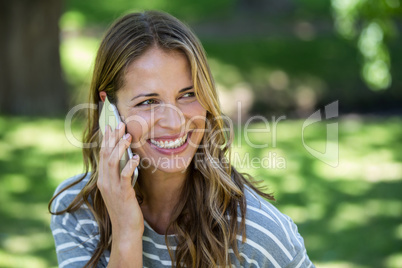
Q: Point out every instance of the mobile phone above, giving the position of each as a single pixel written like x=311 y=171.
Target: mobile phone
x=110 y=116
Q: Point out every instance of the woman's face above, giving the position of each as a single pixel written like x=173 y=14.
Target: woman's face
x=158 y=104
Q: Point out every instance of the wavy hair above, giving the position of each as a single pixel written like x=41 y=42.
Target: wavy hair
x=205 y=223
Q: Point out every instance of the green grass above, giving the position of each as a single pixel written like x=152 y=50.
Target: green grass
x=349 y=216
x=34 y=158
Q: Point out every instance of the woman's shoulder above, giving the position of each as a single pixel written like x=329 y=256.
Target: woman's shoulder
x=271 y=235
x=64 y=196
x=76 y=232
x=79 y=220
x=265 y=217
x=261 y=209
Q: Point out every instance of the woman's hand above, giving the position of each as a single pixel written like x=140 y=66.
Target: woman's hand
x=119 y=196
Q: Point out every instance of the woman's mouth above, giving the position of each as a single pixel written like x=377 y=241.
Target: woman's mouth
x=169 y=144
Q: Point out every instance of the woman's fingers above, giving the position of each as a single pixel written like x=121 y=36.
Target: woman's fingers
x=119 y=150
x=110 y=139
x=128 y=170
x=112 y=150
x=114 y=136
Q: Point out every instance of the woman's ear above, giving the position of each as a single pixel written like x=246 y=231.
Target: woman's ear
x=102 y=95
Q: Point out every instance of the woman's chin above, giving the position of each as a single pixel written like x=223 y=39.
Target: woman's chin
x=176 y=165
x=172 y=170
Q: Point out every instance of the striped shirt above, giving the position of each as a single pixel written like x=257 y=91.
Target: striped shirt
x=272 y=237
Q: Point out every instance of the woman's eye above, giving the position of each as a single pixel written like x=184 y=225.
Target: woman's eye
x=148 y=102
x=188 y=95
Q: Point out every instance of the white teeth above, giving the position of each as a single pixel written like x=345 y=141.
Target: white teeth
x=177 y=142
x=170 y=144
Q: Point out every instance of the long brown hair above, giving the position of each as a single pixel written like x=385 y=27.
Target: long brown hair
x=205 y=223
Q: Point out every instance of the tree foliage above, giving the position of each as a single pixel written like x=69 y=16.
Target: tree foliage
x=105 y=11
x=370 y=24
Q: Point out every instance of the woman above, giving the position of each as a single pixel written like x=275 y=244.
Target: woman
x=189 y=207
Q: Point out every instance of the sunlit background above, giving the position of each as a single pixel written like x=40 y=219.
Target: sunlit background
x=272 y=59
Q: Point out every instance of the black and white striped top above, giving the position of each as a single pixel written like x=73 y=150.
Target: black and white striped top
x=272 y=237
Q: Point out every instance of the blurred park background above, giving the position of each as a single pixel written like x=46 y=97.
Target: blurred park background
x=284 y=58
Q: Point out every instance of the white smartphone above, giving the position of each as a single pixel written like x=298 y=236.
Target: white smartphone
x=110 y=116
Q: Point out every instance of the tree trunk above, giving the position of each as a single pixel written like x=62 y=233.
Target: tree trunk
x=30 y=73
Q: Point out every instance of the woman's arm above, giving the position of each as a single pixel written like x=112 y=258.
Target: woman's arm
x=126 y=252
x=120 y=200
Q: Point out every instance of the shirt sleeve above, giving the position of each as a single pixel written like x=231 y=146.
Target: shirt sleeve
x=273 y=239
x=301 y=259
x=75 y=234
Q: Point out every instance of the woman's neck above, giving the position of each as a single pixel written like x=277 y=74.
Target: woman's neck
x=161 y=192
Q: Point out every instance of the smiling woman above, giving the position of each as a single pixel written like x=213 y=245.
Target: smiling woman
x=158 y=88
x=189 y=207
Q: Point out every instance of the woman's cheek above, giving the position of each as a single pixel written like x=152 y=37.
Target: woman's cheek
x=195 y=114
x=194 y=107
x=138 y=125
x=197 y=123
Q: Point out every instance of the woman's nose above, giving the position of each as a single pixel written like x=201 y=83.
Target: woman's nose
x=171 y=117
